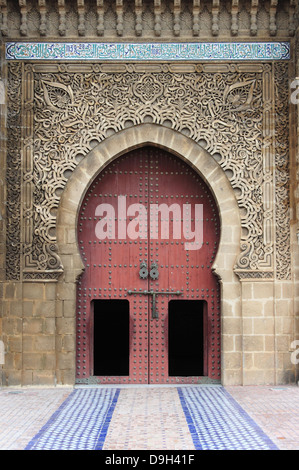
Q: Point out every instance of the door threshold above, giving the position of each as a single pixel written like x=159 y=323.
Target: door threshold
x=145 y=385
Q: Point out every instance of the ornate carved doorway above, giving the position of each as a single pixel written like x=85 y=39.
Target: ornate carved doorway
x=148 y=303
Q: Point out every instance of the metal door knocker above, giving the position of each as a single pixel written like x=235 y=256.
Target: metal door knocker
x=154 y=273
x=143 y=272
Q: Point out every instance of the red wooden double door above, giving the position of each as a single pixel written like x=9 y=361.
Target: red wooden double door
x=148 y=303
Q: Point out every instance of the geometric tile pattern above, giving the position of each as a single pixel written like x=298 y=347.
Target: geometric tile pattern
x=274 y=408
x=217 y=422
x=80 y=423
x=148 y=51
x=208 y=414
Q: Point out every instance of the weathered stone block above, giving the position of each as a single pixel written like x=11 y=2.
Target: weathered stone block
x=253 y=343
x=33 y=360
x=33 y=326
x=263 y=326
x=262 y=290
x=44 y=377
x=49 y=326
x=65 y=326
x=69 y=342
x=45 y=343
x=45 y=308
x=252 y=308
x=65 y=360
x=33 y=290
x=264 y=361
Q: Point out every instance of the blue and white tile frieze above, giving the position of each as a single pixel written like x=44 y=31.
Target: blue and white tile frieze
x=148 y=51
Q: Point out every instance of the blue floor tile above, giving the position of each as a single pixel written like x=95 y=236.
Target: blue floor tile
x=217 y=422
x=81 y=422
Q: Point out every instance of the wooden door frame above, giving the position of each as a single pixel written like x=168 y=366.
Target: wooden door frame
x=208 y=169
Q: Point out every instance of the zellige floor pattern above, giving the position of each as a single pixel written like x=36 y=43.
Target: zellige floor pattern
x=80 y=423
x=217 y=422
x=183 y=418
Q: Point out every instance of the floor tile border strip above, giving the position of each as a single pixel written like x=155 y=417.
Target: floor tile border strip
x=46 y=426
x=239 y=409
x=190 y=421
x=101 y=439
x=262 y=433
x=103 y=430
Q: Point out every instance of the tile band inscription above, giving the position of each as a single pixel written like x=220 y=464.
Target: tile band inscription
x=148 y=51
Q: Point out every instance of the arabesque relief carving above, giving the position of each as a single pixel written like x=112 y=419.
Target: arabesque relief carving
x=13 y=174
x=232 y=113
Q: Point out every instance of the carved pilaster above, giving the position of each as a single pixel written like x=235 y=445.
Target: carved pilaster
x=282 y=171
x=176 y=17
x=157 y=13
x=119 y=17
x=62 y=19
x=215 y=17
x=273 y=26
x=23 y=10
x=100 y=13
x=4 y=26
x=292 y=13
x=43 y=17
x=196 y=12
x=253 y=17
x=138 y=16
x=81 y=17
x=235 y=19
x=13 y=172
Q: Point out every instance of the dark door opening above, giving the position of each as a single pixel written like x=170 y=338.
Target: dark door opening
x=186 y=337
x=111 y=337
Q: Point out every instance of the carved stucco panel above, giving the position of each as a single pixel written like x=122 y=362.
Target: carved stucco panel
x=70 y=108
x=13 y=172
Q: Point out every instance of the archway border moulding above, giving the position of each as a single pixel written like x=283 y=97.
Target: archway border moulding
x=174 y=142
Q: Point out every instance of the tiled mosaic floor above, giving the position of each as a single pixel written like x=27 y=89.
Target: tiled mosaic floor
x=217 y=422
x=274 y=408
x=183 y=418
x=24 y=411
x=80 y=423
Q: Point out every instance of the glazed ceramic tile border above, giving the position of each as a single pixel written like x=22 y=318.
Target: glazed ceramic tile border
x=80 y=423
x=208 y=51
x=217 y=422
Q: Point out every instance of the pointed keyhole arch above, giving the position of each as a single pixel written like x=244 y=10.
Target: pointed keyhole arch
x=201 y=161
